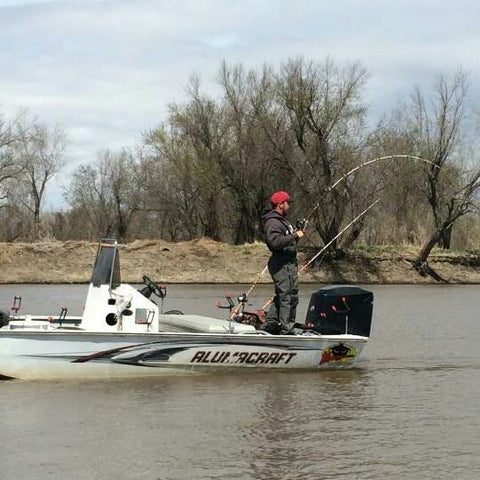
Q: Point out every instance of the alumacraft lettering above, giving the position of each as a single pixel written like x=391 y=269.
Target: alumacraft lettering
x=250 y=358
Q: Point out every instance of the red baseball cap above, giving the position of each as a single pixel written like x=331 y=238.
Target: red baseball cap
x=279 y=197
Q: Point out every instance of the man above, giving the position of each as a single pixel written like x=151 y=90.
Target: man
x=282 y=240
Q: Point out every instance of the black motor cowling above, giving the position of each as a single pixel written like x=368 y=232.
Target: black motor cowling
x=341 y=309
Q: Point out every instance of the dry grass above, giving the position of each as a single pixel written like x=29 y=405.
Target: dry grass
x=206 y=261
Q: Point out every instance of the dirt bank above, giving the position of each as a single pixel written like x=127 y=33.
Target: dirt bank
x=205 y=261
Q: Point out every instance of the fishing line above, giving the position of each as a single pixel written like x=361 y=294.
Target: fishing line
x=327 y=191
x=338 y=234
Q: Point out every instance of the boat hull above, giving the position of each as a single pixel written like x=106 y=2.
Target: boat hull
x=79 y=354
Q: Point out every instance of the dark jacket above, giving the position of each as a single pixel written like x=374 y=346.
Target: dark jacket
x=280 y=235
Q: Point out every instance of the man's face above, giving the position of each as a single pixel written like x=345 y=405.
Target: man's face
x=283 y=207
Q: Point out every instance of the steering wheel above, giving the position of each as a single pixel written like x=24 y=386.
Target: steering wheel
x=154 y=287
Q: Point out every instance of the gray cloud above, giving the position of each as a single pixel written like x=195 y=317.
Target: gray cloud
x=106 y=70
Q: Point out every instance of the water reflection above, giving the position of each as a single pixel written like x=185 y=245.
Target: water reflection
x=299 y=420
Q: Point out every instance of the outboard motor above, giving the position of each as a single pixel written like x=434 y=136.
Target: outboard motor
x=336 y=310
x=4 y=318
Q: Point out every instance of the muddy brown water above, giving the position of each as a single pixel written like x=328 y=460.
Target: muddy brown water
x=409 y=410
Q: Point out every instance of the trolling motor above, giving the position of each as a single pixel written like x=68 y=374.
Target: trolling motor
x=255 y=318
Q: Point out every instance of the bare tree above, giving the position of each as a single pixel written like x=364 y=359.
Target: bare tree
x=108 y=192
x=438 y=130
x=461 y=202
x=248 y=163
x=189 y=148
x=88 y=192
x=167 y=188
x=451 y=188
x=40 y=153
x=177 y=181
x=316 y=123
x=9 y=164
x=401 y=217
x=298 y=130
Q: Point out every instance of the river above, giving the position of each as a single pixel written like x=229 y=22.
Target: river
x=409 y=410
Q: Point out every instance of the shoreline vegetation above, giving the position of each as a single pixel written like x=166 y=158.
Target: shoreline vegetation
x=206 y=261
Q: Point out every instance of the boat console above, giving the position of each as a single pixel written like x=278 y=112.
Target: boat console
x=112 y=305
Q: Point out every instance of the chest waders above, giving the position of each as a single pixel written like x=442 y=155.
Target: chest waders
x=283 y=268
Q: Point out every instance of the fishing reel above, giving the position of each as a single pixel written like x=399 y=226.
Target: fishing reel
x=301 y=224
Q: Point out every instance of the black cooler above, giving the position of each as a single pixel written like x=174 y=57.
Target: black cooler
x=341 y=309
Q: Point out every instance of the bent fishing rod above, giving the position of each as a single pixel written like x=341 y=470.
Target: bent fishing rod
x=327 y=191
x=366 y=164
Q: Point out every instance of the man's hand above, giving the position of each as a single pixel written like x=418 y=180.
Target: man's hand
x=300 y=233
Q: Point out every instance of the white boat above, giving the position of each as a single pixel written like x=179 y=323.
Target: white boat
x=122 y=333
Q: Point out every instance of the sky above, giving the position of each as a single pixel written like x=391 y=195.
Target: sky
x=106 y=70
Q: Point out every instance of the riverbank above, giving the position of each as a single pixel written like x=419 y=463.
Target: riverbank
x=206 y=261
